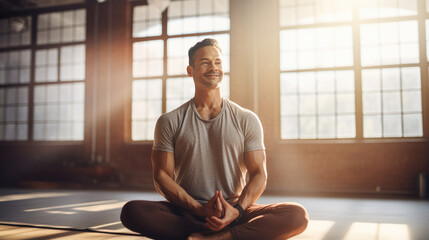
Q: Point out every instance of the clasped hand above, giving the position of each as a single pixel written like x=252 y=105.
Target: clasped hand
x=218 y=212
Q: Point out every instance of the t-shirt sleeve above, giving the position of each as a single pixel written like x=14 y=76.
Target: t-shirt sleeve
x=164 y=136
x=253 y=133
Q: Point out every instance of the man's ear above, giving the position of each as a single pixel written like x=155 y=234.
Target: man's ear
x=189 y=70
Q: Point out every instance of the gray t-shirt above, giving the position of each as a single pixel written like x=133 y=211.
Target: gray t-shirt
x=209 y=154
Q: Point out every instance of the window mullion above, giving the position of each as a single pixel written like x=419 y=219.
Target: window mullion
x=357 y=71
x=422 y=14
x=32 y=77
x=165 y=61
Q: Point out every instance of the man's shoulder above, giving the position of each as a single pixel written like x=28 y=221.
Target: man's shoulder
x=177 y=113
x=240 y=111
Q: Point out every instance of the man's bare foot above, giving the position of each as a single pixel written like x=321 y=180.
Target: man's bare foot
x=224 y=235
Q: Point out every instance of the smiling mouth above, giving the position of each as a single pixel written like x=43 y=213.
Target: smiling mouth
x=212 y=75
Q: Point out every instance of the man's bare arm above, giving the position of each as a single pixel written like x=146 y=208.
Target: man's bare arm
x=255 y=162
x=163 y=170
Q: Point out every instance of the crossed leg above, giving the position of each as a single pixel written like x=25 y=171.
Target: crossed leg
x=163 y=220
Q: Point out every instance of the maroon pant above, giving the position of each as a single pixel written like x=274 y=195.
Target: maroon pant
x=163 y=220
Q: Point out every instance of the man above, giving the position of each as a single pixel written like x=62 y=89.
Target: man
x=201 y=153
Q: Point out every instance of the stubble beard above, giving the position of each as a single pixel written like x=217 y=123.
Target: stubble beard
x=212 y=83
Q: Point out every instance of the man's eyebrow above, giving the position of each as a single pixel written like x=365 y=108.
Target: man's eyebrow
x=206 y=59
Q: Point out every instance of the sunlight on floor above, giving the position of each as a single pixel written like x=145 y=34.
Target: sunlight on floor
x=71 y=205
x=25 y=233
x=378 y=231
x=15 y=197
x=103 y=207
x=106 y=225
x=316 y=230
x=61 y=212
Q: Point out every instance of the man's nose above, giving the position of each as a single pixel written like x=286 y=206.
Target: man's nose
x=212 y=66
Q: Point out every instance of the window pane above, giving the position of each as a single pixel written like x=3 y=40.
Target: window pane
x=146 y=21
x=316 y=48
x=46 y=65
x=178 y=55
x=11 y=35
x=326 y=127
x=346 y=126
x=345 y=103
x=389 y=95
x=372 y=126
x=15 y=67
x=371 y=102
x=319 y=11
x=146 y=107
x=289 y=105
x=59 y=112
x=290 y=128
x=389 y=43
x=384 y=9
x=318 y=104
x=391 y=102
x=13 y=113
x=72 y=63
x=61 y=27
x=413 y=125
x=412 y=101
x=192 y=16
x=148 y=58
x=179 y=91
x=392 y=125
x=307 y=127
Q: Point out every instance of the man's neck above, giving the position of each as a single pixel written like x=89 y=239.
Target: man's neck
x=208 y=103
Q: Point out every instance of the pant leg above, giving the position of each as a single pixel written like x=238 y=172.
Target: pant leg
x=274 y=221
x=160 y=220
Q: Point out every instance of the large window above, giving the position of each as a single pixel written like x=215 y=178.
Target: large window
x=51 y=69
x=14 y=79
x=59 y=76
x=322 y=85
x=160 y=82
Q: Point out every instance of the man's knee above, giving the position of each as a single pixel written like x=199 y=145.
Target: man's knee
x=127 y=213
x=299 y=216
x=295 y=215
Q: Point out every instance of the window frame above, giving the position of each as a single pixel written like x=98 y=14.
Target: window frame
x=34 y=47
x=356 y=22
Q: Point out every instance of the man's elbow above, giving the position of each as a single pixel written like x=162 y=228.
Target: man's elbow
x=265 y=180
x=157 y=182
x=158 y=187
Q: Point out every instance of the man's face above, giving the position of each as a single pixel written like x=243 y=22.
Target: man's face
x=207 y=68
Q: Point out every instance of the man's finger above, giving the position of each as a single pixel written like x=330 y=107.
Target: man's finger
x=211 y=222
x=213 y=226
x=210 y=226
x=216 y=220
x=213 y=200
x=218 y=204
x=222 y=199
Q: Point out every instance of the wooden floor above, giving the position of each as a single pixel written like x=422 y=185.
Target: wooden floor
x=14 y=232
x=66 y=214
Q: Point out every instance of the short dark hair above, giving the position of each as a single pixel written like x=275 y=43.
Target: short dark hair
x=204 y=43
